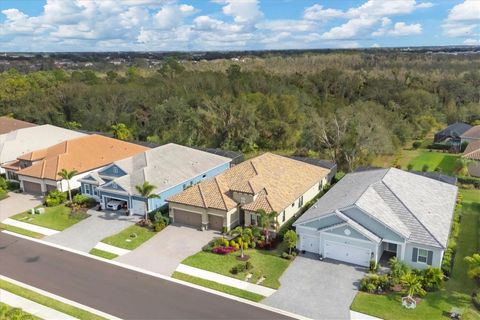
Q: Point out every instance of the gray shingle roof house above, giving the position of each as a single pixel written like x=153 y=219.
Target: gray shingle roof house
x=451 y=133
x=171 y=168
x=369 y=213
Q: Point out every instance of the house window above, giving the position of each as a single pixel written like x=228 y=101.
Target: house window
x=95 y=192
x=422 y=255
x=300 y=202
x=87 y=189
x=12 y=175
x=283 y=216
x=253 y=218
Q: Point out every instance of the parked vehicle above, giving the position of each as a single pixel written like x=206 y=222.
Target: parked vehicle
x=115 y=205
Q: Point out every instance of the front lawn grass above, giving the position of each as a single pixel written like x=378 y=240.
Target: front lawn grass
x=125 y=239
x=456 y=291
x=219 y=287
x=266 y=263
x=434 y=159
x=21 y=231
x=3 y=195
x=103 y=254
x=48 y=302
x=9 y=312
x=56 y=218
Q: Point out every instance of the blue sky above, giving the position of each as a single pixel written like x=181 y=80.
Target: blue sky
x=117 y=25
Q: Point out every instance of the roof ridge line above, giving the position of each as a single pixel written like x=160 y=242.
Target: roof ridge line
x=221 y=193
x=414 y=216
x=201 y=195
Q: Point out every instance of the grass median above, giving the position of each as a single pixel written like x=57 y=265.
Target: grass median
x=21 y=231
x=103 y=254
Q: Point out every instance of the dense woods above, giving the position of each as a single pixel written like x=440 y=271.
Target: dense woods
x=347 y=107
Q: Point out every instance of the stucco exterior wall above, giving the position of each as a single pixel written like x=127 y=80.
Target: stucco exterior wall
x=436 y=260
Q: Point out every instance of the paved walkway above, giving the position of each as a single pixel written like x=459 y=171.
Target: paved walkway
x=317 y=289
x=30 y=227
x=32 y=307
x=18 y=202
x=84 y=235
x=361 y=316
x=228 y=281
x=112 y=249
x=166 y=250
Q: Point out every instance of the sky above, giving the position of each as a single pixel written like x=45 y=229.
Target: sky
x=200 y=25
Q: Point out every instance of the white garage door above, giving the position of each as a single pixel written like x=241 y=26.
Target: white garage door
x=347 y=253
x=138 y=207
x=310 y=243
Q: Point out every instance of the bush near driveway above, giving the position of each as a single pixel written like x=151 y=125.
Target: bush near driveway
x=136 y=234
x=11 y=313
x=56 y=218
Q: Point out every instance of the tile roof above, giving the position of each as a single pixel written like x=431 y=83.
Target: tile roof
x=416 y=207
x=8 y=124
x=454 y=130
x=165 y=167
x=473 y=132
x=472 y=151
x=278 y=181
x=82 y=154
x=25 y=141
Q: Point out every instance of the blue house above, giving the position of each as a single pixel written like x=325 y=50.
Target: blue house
x=171 y=168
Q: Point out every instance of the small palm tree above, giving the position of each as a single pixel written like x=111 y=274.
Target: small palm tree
x=245 y=234
x=461 y=167
x=146 y=191
x=68 y=175
x=412 y=284
x=432 y=278
x=474 y=266
x=266 y=221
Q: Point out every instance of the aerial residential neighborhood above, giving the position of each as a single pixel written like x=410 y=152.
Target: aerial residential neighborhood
x=240 y=159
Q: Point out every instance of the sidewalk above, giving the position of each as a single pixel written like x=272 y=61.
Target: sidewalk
x=112 y=249
x=354 y=315
x=32 y=307
x=30 y=227
x=228 y=281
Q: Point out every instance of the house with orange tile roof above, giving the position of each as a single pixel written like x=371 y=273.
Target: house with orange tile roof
x=472 y=152
x=38 y=170
x=269 y=182
x=8 y=124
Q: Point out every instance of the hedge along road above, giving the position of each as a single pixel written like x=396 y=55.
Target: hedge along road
x=112 y=289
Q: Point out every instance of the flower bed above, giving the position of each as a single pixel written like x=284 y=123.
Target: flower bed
x=224 y=250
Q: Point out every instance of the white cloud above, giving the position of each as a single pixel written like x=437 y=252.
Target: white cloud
x=172 y=15
x=288 y=25
x=463 y=20
x=425 y=5
x=243 y=12
x=352 y=29
x=316 y=12
x=403 y=29
x=472 y=42
x=375 y=45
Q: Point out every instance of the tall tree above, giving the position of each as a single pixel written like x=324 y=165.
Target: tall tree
x=146 y=191
x=267 y=221
x=68 y=175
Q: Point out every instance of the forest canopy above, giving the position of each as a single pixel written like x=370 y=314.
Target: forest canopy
x=346 y=107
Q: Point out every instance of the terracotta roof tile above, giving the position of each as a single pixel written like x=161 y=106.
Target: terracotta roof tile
x=8 y=124
x=473 y=132
x=472 y=151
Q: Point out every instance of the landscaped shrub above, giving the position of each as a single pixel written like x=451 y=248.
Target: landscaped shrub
x=223 y=250
x=476 y=300
x=253 y=245
x=432 y=278
x=438 y=146
x=3 y=184
x=287 y=256
x=425 y=168
x=159 y=226
x=373 y=266
x=398 y=269
x=237 y=246
x=409 y=167
x=416 y=144
x=55 y=198
x=82 y=200
x=232 y=243
x=12 y=185
x=161 y=216
x=245 y=245
x=374 y=283
x=238 y=268
x=449 y=255
x=470 y=180
x=248 y=265
x=225 y=243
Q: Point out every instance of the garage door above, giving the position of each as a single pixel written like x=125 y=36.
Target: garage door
x=310 y=243
x=347 y=253
x=215 y=222
x=31 y=187
x=187 y=218
x=138 y=207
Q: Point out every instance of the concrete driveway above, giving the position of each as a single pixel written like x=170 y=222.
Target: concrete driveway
x=317 y=289
x=87 y=233
x=18 y=202
x=164 y=252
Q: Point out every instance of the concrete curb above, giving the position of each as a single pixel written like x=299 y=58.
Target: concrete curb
x=30 y=227
x=112 y=249
x=160 y=276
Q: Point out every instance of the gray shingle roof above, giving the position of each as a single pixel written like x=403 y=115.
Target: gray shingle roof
x=166 y=166
x=416 y=207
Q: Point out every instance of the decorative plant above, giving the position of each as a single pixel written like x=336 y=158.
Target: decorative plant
x=432 y=278
x=291 y=240
x=412 y=284
x=244 y=234
x=397 y=269
x=68 y=175
x=146 y=191
x=266 y=221
x=474 y=266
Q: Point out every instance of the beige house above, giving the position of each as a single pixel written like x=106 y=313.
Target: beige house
x=472 y=152
x=269 y=182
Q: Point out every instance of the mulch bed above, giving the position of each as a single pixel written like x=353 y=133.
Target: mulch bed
x=245 y=258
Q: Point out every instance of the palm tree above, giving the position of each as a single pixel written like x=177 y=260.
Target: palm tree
x=474 y=266
x=412 y=284
x=266 y=221
x=68 y=175
x=245 y=234
x=145 y=190
x=462 y=167
x=432 y=278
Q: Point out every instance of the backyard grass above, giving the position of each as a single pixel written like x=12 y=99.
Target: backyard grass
x=434 y=159
x=21 y=231
x=125 y=239
x=8 y=312
x=219 y=287
x=456 y=291
x=56 y=218
x=49 y=302
x=103 y=254
x=266 y=263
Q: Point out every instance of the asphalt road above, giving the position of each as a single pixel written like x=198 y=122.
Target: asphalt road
x=120 y=292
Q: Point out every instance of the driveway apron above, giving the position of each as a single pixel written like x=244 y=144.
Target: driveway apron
x=84 y=235
x=317 y=289
x=164 y=252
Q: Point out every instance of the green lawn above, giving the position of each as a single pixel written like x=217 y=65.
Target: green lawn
x=219 y=287
x=456 y=292
x=8 y=312
x=434 y=159
x=21 y=231
x=57 y=218
x=103 y=254
x=266 y=263
x=3 y=195
x=125 y=239
x=49 y=302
